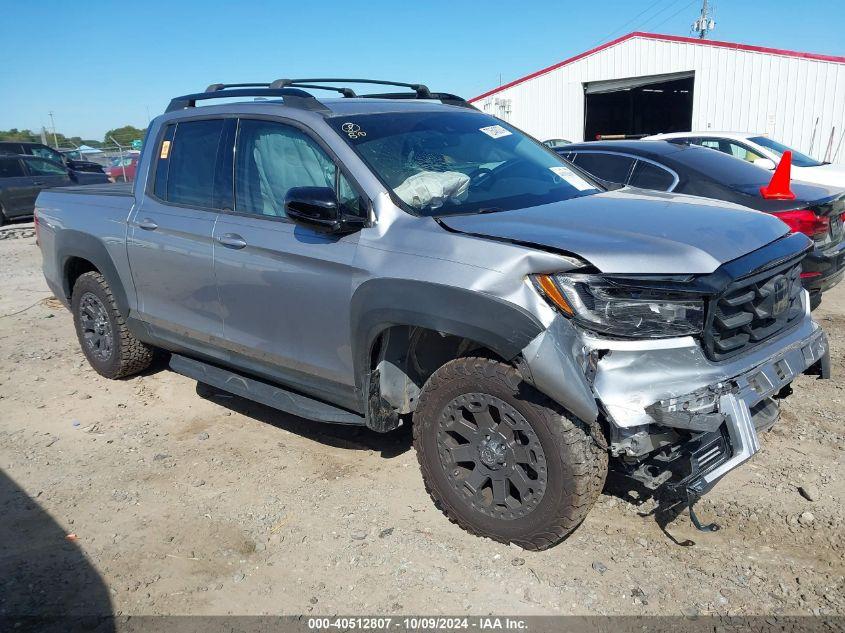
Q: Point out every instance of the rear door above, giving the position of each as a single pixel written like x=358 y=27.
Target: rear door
x=285 y=289
x=15 y=187
x=170 y=232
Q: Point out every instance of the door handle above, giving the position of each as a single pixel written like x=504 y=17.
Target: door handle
x=147 y=224
x=232 y=240
x=38 y=183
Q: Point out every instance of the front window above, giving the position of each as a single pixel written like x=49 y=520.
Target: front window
x=798 y=159
x=444 y=163
x=45 y=152
x=272 y=158
x=42 y=167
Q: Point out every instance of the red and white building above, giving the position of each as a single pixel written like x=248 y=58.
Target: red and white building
x=645 y=83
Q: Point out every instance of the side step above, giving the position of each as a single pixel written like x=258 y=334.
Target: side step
x=263 y=392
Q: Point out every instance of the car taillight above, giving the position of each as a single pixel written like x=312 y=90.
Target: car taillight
x=805 y=221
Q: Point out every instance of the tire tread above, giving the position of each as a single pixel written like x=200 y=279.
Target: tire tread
x=585 y=460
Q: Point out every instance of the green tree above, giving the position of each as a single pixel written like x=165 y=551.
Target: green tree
x=123 y=135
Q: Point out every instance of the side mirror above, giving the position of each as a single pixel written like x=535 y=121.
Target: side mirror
x=765 y=163
x=315 y=207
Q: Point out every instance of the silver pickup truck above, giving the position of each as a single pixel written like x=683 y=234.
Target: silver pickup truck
x=403 y=257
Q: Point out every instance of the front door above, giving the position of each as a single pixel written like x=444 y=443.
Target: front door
x=285 y=289
x=170 y=233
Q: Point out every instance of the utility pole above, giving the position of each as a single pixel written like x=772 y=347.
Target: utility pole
x=53 y=125
x=705 y=22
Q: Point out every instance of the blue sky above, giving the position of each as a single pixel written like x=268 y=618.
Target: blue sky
x=99 y=65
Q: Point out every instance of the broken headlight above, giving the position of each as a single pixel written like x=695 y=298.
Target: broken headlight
x=612 y=307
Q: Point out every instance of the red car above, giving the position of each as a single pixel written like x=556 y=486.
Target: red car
x=123 y=169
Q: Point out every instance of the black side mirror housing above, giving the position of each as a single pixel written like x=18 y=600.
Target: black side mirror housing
x=319 y=209
x=315 y=207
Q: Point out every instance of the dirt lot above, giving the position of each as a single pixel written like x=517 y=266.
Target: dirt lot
x=185 y=500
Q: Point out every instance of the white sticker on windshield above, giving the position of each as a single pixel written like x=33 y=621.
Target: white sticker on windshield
x=572 y=178
x=495 y=131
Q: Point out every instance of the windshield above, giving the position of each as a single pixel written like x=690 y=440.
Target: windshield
x=444 y=163
x=798 y=159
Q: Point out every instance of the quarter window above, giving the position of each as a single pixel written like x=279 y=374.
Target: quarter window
x=10 y=168
x=610 y=167
x=648 y=176
x=192 y=158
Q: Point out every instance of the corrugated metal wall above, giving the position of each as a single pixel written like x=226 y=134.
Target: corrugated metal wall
x=735 y=90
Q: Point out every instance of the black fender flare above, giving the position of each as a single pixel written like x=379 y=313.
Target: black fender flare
x=76 y=244
x=379 y=304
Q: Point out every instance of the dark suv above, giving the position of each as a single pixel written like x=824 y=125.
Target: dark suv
x=79 y=170
x=21 y=180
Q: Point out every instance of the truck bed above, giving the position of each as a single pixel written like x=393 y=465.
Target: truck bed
x=100 y=189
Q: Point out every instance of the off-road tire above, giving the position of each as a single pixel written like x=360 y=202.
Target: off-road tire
x=575 y=465
x=128 y=355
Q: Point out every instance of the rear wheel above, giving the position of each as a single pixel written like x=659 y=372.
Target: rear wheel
x=107 y=343
x=501 y=459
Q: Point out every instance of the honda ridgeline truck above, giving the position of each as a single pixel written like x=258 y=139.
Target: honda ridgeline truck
x=403 y=257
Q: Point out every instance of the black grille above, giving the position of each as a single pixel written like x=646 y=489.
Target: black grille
x=752 y=310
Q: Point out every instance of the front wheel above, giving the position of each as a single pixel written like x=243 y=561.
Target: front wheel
x=502 y=460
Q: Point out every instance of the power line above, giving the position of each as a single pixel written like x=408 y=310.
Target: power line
x=615 y=31
x=678 y=12
x=660 y=13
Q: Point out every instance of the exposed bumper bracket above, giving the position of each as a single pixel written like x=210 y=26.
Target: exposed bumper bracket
x=743 y=438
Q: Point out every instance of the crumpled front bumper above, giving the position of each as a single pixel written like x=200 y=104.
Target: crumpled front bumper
x=722 y=405
x=651 y=391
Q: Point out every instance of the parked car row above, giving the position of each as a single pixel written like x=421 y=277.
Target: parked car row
x=390 y=259
x=28 y=168
x=734 y=173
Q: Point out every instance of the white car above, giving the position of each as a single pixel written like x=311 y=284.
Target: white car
x=763 y=152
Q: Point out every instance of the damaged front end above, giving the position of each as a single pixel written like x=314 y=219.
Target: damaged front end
x=682 y=411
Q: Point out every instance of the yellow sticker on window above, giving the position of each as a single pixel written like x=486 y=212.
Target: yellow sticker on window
x=165 y=149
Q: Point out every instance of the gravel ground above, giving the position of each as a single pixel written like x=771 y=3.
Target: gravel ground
x=154 y=495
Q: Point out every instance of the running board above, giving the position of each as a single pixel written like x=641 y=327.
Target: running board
x=263 y=392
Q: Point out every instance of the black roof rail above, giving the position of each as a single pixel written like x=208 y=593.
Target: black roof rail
x=291 y=96
x=421 y=91
x=443 y=97
x=291 y=92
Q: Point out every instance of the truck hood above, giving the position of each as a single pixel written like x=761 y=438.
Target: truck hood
x=633 y=231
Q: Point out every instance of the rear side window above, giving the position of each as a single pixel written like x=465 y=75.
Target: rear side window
x=648 y=176
x=610 y=167
x=193 y=157
x=10 y=168
x=43 y=167
x=163 y=162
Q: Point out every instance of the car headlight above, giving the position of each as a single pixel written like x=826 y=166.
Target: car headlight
x=622 y=308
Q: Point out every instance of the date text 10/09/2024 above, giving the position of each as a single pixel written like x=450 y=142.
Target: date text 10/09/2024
x=485 y=623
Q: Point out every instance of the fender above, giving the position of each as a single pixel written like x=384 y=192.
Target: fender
x=70 y=244
x=379 y=304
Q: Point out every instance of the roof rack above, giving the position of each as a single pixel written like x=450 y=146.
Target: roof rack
x=291 y=92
